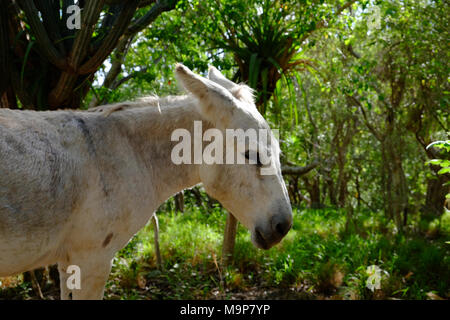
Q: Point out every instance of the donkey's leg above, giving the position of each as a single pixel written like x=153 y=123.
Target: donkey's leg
x=63 y=276
x=94 y=274
x=94 y=271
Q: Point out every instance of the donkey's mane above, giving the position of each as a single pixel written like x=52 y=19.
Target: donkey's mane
x=241 y=91
x=147 y=101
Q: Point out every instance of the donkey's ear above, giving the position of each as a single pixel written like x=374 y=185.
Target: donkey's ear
x=216 y=102
x=216 y=76
x=239 y=91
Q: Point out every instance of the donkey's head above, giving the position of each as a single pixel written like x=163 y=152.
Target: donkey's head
x=254 y=193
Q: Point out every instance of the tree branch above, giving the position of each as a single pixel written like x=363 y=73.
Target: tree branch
x=111 y=40
x=68 y=78
x=159 y=7
x=50 y=18
x=366 y=121
x=83 y=37
x=4 y=48
x=121 y=81
x=42 y=38
x=289 y=170
x=67 y=34
x=116 y=67
x=142 y=3
x=146 y=3
x=322 y=24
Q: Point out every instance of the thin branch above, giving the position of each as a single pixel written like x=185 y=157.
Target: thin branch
x=159 y=7
x=322 y=24
x=117 y=60
x=289 y=170
x=433 y=114
x=142 y=3
x=145 y=3
x=108 y=22
x=121 y=81
x=353 y=52
x=118 y=83
x=35 y=285
x=366 y=121
x=110 y=41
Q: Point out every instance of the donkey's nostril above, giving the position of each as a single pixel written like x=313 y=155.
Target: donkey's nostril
x=282 y=226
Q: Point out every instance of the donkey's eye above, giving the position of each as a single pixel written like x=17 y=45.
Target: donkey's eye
x=258 y=161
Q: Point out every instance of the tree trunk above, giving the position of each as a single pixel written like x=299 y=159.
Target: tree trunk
x=396 y=188
x=343 y=190
x=435 y=196
x=8 y=99
x=314 y=192
x=198 y=197
x=330 y=186
x=155 y=223
x=436 y=191
x=229 y=239
x=179 y=202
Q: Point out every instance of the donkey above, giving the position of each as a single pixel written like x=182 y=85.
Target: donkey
x=75 y=186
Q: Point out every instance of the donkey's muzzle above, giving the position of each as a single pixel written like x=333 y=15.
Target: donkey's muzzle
x=281 y=224
x=265 y=238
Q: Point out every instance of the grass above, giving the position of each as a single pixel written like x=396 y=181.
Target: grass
x=323 y=256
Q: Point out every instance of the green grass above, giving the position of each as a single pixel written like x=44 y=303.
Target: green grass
x=318 y=258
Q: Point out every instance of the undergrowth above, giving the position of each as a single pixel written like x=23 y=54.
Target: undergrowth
x=323 y=256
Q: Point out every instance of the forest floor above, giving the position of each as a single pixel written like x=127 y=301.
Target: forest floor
x=326 y=255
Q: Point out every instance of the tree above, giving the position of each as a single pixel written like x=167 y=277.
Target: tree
x=397 y=81
x=265 y=37
x=49 y=64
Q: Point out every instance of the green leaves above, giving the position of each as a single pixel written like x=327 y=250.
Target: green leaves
x=439 y=162
x=441 y=145
x=255 y=63
x=443 y=163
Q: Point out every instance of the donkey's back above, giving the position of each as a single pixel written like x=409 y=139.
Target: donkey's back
x=38 y=166
x=74 y=187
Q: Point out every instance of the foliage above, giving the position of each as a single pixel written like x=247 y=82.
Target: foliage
x=318 y=258
x=444 y=164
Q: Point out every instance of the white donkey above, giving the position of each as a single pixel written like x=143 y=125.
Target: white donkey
x=76 y=186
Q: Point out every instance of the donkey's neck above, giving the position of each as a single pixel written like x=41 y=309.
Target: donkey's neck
x=153 y=127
